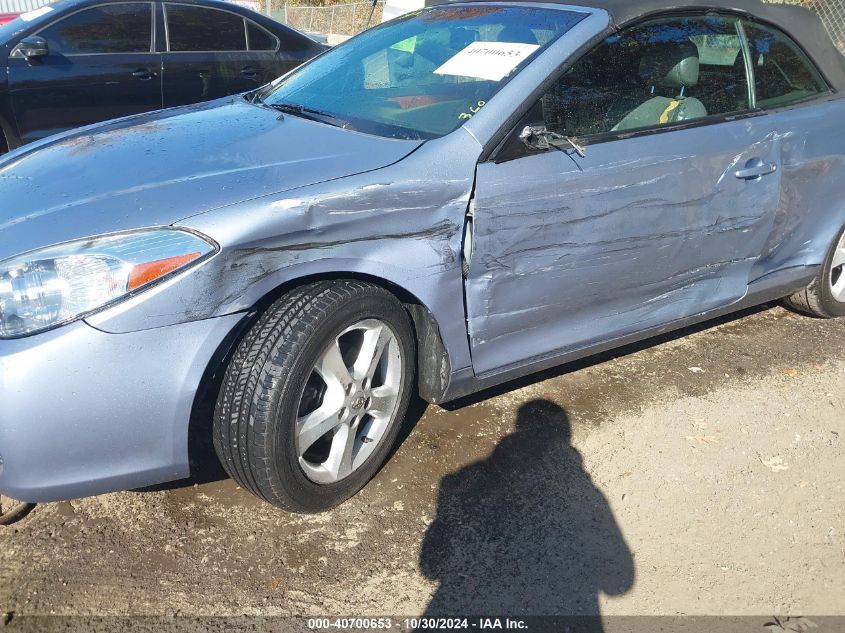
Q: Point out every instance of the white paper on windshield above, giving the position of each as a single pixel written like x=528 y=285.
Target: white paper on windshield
x=487 y=60
x=33 y=15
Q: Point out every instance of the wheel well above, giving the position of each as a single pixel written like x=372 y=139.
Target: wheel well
x=433 y=367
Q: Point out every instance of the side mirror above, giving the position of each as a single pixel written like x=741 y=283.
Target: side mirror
x=538 y=137
x=535 y=137
x=32 y=47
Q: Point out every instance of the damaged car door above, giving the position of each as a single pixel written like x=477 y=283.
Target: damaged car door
x=638 y=190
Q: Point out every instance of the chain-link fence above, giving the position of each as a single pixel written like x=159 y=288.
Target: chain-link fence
x=832 y=13
x=339 y=19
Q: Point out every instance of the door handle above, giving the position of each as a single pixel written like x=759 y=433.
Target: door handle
x=249 y=72
x=755 y=169
x=144 y=74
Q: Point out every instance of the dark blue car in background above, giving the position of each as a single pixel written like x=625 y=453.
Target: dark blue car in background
x=77 y=62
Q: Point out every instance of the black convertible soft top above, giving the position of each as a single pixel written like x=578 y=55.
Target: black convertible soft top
x=802 y=24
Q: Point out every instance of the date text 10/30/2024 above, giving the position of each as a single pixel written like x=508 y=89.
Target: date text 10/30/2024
x=371 y=624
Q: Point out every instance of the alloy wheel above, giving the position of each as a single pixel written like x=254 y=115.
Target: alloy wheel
x=349 y=401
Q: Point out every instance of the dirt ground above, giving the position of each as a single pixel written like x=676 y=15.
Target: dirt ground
x=703 y=473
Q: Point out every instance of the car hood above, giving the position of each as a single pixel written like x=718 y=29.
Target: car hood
x=160 y=168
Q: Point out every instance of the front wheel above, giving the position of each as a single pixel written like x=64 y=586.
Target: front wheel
x=825 y=296
x=315 y=394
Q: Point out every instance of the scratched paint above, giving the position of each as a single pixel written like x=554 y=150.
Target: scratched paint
x=571 y=252
x=158 y=168
x=401 y=223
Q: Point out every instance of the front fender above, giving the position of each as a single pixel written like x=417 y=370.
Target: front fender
x=383 y=225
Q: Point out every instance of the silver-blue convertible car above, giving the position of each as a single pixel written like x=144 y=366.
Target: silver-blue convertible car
x=470 y=193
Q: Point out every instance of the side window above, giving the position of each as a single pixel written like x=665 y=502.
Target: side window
x=259 y=39
x=112 y=28
x=191 y=28
x=659 y=72
x=782 y=72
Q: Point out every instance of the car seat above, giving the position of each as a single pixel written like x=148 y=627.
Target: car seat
x=673 y=65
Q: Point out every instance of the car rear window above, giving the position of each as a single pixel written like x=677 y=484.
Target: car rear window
x=259 y=39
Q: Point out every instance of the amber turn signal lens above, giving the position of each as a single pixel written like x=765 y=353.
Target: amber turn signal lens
x=145 y=273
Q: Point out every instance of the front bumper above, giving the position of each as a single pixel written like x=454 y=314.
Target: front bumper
x=83 y=412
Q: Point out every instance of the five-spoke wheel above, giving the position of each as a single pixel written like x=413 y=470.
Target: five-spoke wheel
x=313 y=398
x=349 y=401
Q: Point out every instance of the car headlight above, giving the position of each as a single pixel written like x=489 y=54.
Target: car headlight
x=51 y=286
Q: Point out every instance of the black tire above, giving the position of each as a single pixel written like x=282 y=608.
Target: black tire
x=258 y=403
x=817 y=298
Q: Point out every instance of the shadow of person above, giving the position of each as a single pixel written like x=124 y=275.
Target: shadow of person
x=526 y=532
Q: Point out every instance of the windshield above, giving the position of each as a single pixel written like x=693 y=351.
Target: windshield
x=25 y=21
x=423 y=75
x=10 y=28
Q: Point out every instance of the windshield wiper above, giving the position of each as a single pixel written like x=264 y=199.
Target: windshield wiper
x=308 y=113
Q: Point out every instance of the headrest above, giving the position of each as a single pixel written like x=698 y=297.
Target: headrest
x=673 y=64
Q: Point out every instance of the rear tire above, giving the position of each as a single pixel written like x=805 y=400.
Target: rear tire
x=825 y=296
x=314 y=396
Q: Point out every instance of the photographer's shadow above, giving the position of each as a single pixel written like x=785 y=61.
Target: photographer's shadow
x=526 y=532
